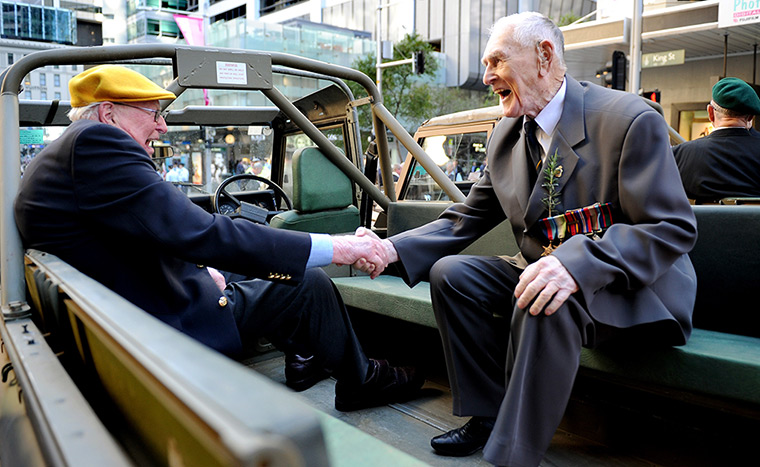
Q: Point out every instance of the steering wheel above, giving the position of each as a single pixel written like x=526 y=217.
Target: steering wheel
x=226 y=200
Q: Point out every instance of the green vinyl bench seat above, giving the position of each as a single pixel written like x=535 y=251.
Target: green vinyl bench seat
x=722 y=357
x=388 y=296
x=714 y=363
x=184 y=402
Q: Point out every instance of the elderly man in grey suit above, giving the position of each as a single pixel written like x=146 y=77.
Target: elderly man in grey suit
x=585 y=175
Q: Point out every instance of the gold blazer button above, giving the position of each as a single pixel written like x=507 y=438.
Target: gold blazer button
x=222 y=301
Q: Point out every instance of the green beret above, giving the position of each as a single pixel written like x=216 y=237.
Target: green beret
x=113 y=83
x=734 y=94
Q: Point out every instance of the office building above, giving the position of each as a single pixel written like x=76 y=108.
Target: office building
x=33 y=25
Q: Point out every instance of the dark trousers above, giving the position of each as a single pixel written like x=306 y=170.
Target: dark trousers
x=308 y=318
x=503 y=362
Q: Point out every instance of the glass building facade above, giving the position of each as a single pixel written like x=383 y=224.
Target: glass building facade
x=38 y=23
x=134 y=5
x=341 y=47
x=151 y=20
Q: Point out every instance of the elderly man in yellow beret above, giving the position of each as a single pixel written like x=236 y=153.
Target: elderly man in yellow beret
x=725 y=163
x=94 y=199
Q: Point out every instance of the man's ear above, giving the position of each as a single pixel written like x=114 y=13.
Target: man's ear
x=106 y=114
x=711 y=113
x=545 y=51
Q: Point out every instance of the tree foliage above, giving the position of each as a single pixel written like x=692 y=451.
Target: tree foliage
x=412 y=98
x=566 y=19
x=406 y=95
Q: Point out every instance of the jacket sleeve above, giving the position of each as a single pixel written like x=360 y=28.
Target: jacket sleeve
x=455 y=229
x=117 y=186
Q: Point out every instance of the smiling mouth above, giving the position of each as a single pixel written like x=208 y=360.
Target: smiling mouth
x=503 y=93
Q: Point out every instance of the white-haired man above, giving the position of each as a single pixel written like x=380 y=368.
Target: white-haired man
x=586 y=178
x=94 y=199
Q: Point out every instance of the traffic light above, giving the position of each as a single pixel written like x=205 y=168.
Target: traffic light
x=618 y=70
x=418 y=63
x=653 y=95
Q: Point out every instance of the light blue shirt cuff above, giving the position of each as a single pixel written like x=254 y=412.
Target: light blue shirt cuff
x=321 y=251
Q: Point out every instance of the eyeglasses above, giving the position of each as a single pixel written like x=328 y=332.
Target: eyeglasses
x=156 y=113
x=162 y=152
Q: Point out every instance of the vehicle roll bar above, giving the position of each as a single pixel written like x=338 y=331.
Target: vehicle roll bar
x=184 y=59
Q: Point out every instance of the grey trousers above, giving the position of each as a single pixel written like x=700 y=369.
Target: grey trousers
x=503 y=362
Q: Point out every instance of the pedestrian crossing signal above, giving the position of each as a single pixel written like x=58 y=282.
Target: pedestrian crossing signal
x=418 y=65
x=653 y=95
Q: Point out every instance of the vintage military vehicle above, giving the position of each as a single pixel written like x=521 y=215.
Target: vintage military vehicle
x=90 y=379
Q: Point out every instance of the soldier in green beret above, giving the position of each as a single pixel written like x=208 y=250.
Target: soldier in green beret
x=725 y=163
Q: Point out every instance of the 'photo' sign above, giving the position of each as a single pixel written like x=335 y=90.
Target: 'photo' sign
x=738 y=12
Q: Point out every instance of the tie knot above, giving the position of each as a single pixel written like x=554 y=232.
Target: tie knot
x=530 y=126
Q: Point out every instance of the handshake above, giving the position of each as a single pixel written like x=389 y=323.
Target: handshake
x=365 y=251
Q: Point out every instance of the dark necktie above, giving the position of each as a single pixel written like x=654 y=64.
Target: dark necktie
x=533 y=149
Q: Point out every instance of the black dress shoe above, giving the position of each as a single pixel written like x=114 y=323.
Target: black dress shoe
x=301 y=373
x=465 y=440
x=384 y=384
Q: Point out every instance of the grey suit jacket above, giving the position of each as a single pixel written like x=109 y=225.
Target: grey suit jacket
x=613 y=148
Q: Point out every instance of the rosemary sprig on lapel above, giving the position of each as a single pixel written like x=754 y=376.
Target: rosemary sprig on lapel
x=552 y=172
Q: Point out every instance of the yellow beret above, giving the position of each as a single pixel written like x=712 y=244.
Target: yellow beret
x=113 y=83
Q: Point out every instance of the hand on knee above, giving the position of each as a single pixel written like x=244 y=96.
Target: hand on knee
x=548 y=282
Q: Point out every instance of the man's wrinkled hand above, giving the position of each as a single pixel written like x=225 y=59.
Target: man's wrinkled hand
x=390 y=256
x=548 y=282
x=365 y=251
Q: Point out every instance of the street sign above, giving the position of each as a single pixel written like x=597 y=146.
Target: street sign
x=667 y=58
x=31 y=137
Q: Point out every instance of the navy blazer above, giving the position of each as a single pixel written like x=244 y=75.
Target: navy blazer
x=93 y=198
x=723 y=164
x=613 y=148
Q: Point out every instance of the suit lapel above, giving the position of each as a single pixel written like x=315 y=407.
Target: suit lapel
x=508 y=166
x=520 y=168
x=570 y=131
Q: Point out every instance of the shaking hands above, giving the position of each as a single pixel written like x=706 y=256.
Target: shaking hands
x=365 y=251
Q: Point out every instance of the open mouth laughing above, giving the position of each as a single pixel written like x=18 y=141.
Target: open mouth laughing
x=503 y=93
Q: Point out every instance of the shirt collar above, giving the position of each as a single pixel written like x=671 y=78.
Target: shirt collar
x=729 y=128
x=549 y=116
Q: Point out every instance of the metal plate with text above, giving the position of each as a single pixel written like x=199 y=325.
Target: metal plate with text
x=197 y=68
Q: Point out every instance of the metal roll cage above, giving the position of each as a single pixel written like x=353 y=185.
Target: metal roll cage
x=193 y=68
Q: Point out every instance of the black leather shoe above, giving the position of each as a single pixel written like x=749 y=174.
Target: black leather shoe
x=301 y=373
x=465 y=440
x=384 y=384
